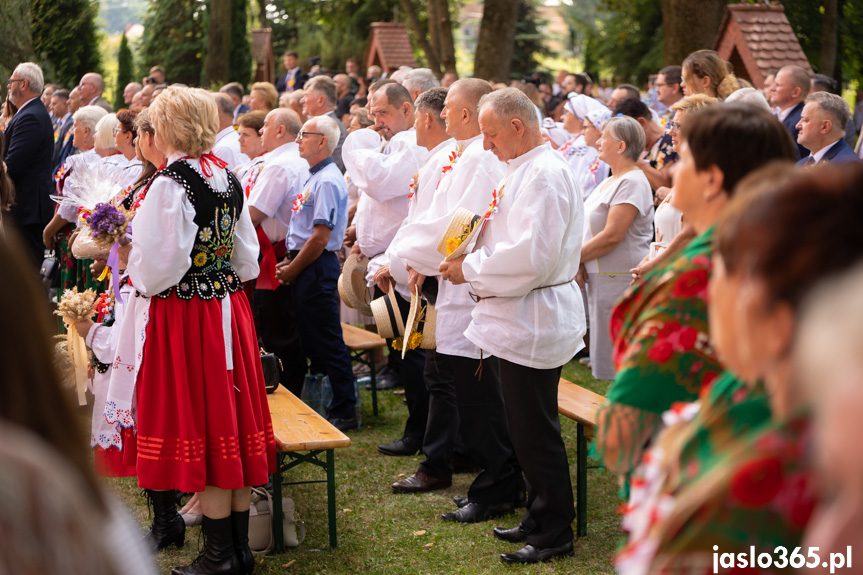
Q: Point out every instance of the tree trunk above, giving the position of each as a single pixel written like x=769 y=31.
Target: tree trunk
x=262 y=13
x=447 y=45
x=496 y=38
x=218 y=43
x=689 y=26
x=434 y=27
x=414 y=21
x=829 y=37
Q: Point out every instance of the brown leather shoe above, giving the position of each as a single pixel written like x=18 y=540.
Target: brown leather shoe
x=419 y=482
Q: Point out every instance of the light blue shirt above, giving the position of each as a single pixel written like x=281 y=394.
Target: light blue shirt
x=323 y=201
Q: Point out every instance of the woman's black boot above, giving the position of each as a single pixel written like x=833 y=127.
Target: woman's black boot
x=218 y=556
x=240 y=526
x=168 y=527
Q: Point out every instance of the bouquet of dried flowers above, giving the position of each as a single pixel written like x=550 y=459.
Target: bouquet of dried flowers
x=75 y=306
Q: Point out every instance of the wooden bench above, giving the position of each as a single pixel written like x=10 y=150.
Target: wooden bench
x=361 y=343
x=579 y=404
x=301 y=436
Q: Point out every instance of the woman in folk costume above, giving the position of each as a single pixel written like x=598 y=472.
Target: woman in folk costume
x=202 y=417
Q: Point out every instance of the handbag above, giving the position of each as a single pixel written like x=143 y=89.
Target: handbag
x=272 y=368
x=261 y=540
x=50 y=270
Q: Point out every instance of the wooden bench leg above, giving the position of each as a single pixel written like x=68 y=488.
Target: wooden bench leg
x=278 y=513
x=374 y=383
x=581 y=483
x=331 y=495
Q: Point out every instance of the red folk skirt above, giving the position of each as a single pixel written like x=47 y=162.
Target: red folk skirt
x=200 y=424
x=112 y=462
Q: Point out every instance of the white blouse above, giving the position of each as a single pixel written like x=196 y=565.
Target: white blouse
x=532 y=245
x=667 y=223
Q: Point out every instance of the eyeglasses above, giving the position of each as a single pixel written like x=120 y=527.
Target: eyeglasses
x=118 y=129
x=661 y=84
x=302 y=135
x=11 y=81
x=673 y=126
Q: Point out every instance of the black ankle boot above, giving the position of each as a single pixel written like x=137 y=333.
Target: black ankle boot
x=168 y=527
x=240 y=527
x=218 y=556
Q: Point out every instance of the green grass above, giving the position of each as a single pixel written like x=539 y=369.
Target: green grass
x=376 y=527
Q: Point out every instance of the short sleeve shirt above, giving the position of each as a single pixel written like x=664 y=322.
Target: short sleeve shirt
x=323 y=201
x=630 y=188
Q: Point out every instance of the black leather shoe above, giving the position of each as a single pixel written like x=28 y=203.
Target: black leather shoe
x=512 y=535
x=399 y=447
x=419 y=482
x=531 y=554
x=344 y=424
x=477 y=512
x=520 y=500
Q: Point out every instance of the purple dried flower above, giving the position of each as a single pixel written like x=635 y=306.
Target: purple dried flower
x=105 y=219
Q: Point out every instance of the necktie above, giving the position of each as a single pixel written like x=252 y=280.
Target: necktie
x=810 y=161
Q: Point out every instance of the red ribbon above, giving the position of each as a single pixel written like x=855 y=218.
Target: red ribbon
x=205 y=163
x=267 y=276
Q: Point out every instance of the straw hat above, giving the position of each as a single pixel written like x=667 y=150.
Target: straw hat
x=461 y=221
x=428 y=326
x=387 y=316
x=352 y=285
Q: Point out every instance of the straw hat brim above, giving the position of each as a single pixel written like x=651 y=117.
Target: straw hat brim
x=352 y=285
x=461 y=219
x=388 y=317
x=428 y=329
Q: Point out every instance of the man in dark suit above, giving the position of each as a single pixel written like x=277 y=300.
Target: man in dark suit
x=294 y=78
x=64 y=123
x=91 y=86
x=822 y=130
x=320 y=100
x=234 y=90
x=790 y=88
x=29 y=155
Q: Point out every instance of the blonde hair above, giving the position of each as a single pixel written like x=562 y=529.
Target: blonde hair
x=104 y=136
x=186 y=119
x=709 y=64
x=269 y=93
x=693 y=102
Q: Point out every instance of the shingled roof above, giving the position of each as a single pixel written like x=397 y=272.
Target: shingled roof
x=757 y=38
x=389 y=45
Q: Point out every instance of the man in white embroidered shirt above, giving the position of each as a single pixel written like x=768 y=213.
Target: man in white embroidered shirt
x=227 y=145
x=530 y=313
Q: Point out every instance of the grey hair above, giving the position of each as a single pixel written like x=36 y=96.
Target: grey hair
x=289 y=119
x=104 y=136
x=328 y=127
x=421 y=79
x=324 y=85
x=629 y=131
x=834 y=106
x=749 y=96
x=224 y=104
x=509 y=103
x=31 y=72
x=89 y=116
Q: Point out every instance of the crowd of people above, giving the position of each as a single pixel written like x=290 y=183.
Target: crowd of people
x=697 y=245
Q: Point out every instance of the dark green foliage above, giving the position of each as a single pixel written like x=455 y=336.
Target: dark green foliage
x=125 y=72
x=530 y=42
x=175 y=38
x=66 y=38
x=240 y=59
x=334 y=31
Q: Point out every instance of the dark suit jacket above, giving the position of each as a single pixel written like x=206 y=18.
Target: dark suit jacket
x=61 y=135
x=343 y=133
x=29 y=157
x=240 y=110
x=791 y=122
x=299 y=81
x=838 y=153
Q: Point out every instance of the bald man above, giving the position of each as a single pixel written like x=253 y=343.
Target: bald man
x=227 y=145
x=91 y=87
x=270 y=202
x=530 y=313
x=789 y=90
x=465 y=400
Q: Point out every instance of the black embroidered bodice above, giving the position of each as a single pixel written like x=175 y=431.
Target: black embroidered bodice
x=216 y=215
